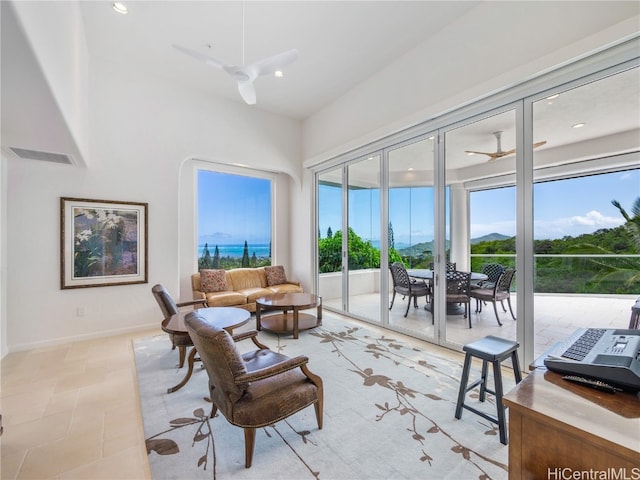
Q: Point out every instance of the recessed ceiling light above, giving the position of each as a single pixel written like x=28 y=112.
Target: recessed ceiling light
x=410 y=169
x=470 y=153
x=553 y=96
x=120 y=8
x=278 y=73
x=578 y=125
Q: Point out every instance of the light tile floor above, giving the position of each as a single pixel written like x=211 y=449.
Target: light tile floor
x=556 y=317
x=73 y=412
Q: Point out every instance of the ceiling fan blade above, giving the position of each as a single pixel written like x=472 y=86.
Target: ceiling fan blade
x=479 y=153
x=200 y=56
x=276 y=62
x=247 y=92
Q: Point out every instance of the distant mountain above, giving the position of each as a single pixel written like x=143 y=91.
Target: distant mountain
x=488 y=238
x=427 y=247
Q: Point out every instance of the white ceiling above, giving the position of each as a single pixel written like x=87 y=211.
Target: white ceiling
x=341 y=43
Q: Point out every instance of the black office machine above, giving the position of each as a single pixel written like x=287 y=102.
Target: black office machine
x=606 y=354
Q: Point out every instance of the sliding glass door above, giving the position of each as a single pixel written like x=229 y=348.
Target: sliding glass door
x=411 y=227
x=586 y=260
x=480 y=166
x=542 y=183
x=349 y=238
x=329 y=206
x=364 y=238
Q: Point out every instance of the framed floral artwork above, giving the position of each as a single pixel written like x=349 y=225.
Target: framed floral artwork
x=102 y=243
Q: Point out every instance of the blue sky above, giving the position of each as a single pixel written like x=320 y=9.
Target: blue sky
x=561 y=208
x=233 y=208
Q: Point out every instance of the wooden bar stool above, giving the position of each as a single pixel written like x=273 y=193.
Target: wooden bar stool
x=495 y=350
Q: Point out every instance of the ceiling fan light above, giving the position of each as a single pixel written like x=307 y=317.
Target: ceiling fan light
x=120 y=8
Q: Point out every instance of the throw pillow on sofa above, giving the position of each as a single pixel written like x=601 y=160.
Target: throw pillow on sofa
x=275 y=275
x=213 y=281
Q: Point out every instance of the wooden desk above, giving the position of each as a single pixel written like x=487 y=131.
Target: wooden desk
x=555 y=425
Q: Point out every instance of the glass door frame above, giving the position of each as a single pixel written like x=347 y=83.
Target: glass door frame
x=521 y=97
x=440 y=191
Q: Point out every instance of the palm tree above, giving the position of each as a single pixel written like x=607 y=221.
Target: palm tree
x=623 y=271
x=633 y=223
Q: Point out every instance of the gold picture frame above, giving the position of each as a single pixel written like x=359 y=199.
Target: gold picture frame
x=102 y=243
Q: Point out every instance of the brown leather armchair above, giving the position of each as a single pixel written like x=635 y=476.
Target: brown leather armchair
x=257 y=388
x=169 y=307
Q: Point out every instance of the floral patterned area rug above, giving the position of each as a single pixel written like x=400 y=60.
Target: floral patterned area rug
x=388 y=413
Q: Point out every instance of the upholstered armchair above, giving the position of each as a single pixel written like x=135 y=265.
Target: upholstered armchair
x=254 y=389
x=169 y=307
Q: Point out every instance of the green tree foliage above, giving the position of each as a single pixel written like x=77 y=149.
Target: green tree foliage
x=330 y=253
x=622 y=273
x=216 y=258
x=227 y=263
x=362 y=254
x=205 y=261
x=582 y=264
x=329 y=233
x=245 y=255
x=633 y=222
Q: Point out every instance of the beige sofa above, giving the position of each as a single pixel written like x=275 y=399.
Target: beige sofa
x=240 y=287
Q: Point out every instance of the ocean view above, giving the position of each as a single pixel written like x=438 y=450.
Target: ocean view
x=236 y=250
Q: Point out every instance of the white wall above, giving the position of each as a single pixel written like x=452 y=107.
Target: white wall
x=3 y=257
x=142 y=130
x=53 y=30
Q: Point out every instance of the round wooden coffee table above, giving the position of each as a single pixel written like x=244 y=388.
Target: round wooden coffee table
x=290 y=320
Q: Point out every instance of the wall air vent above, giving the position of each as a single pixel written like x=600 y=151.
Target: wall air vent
x=44 y=156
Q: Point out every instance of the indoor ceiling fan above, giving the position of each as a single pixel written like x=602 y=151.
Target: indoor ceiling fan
x=243 y=74
x=499 y=153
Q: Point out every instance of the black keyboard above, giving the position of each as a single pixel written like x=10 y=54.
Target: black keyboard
x=583 y=345
x=610 y=355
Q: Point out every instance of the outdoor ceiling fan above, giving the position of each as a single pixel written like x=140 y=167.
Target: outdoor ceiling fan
x=499 y=153
x=243 y=74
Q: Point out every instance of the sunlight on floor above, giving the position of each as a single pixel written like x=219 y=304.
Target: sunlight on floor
x=556 y=317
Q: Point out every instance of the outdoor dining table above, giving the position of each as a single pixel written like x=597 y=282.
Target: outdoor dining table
x=426 y=274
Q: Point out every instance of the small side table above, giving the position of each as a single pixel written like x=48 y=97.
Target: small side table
x=227 y=318
x=290 y=320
